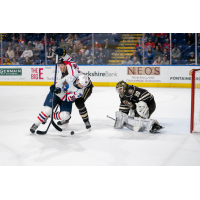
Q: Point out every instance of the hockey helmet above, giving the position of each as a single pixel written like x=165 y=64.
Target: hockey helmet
x=83 y=80
x=121 y=88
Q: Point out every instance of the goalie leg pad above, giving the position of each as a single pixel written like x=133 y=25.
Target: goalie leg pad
x=121 y=118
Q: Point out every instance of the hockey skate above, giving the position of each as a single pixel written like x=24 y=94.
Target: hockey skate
x=155 y=128
x=33 y=128
x=44 y=122
x=63 y=122
x=87 y=125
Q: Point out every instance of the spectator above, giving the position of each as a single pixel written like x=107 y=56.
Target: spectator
x=164 y=61
x=176 y=53
x=69 y=39
x=191 y=60
x=154 y=38
x=10 y=53
x=71 y=47
x=30 y=46
x=74 y=57
x=51 y=42
x=6 y=61
x=22 y=47
x=15 y=46
x=135 y=61
x=90 y=60
x=158 y=61
x=127 y=61
x=85 y=52
x=53 y=61
x=157 y=52
x=78 y=45
x=101 y=58
x=161 y=35
x=107 y=48
x=82 y=62
x=79 y=56
x=63 y=44
x=160 y=46
x=27 y=62
x=50 y=54
x=14 y=62
x=166 y=53
x=6 y=55
x=139 y=45
x=27 y=53
x=167 y=44
x=190 y=39
x=18 y=53
x=134 y=55
x=21 y=39
x=148 y=56
x=97 y=45
x=43 y=63
x=14 y=40
x=145 y=38
x=76 y=39
x=9 y=45
x=43 y=41
x=34 y=63
x=39 y=46
x=150 y=43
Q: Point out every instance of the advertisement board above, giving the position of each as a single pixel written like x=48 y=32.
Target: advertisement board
x=146 y=76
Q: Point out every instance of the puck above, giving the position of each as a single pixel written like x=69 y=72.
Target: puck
x=72 y=132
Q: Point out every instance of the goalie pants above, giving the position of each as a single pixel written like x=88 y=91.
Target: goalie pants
x=152 y=107
x=80 y=103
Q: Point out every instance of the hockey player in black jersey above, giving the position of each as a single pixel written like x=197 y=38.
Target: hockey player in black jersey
x=137 y=102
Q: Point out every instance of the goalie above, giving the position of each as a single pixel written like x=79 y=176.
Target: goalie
x=140 y=103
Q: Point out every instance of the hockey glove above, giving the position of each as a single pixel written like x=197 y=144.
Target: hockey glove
x=54 y=89
x=60 y=52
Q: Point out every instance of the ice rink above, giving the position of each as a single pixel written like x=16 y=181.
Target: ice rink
x=103 y=145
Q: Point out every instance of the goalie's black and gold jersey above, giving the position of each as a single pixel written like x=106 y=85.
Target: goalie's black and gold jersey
x=133 y=95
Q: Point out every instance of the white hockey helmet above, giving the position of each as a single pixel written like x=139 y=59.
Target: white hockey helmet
x=83 y=80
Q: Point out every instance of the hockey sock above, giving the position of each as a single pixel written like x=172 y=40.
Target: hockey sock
x=61 y=115
x=43 y=115
x=84 y=114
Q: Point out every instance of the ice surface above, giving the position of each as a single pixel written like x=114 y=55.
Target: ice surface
x=103 y=145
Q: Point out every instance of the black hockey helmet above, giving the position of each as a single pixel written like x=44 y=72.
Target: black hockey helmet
x=121 y=85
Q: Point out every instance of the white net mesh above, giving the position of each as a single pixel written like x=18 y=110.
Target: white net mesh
x=197 y=102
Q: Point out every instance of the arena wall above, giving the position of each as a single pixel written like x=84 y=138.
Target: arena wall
x=102 y=75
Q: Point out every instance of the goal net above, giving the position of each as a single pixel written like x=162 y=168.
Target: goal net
x=195 y=102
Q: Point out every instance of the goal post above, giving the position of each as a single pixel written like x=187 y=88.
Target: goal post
x=195 y=102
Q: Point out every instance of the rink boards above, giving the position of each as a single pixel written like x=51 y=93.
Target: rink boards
x=103 y=75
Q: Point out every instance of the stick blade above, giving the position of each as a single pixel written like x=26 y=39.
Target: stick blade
x=56 y=127
x=41 y=132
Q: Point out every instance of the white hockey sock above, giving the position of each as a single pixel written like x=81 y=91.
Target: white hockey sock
x=61 y=115
x=43 y=115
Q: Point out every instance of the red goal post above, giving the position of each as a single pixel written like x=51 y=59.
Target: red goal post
x=195 y=102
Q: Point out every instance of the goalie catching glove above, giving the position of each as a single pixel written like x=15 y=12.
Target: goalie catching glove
x=60 y=52
x=142 y=109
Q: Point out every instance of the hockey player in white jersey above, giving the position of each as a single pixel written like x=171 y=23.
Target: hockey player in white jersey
x=67 y=90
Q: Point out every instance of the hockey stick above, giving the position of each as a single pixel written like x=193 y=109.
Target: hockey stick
x=52 y=122
x=125 y=124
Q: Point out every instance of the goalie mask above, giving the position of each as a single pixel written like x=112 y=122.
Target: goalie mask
x=121 y=88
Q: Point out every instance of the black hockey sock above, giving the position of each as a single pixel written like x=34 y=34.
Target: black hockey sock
x=84 y=114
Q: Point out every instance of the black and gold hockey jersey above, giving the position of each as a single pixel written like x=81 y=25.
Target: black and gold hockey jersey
x=133 y=95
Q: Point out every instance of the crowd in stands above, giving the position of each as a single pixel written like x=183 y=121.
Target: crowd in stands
x=157 y=49
x=29 y=49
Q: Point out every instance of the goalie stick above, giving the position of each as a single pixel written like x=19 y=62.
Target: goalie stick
x=130 y=126
x=52 y=122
